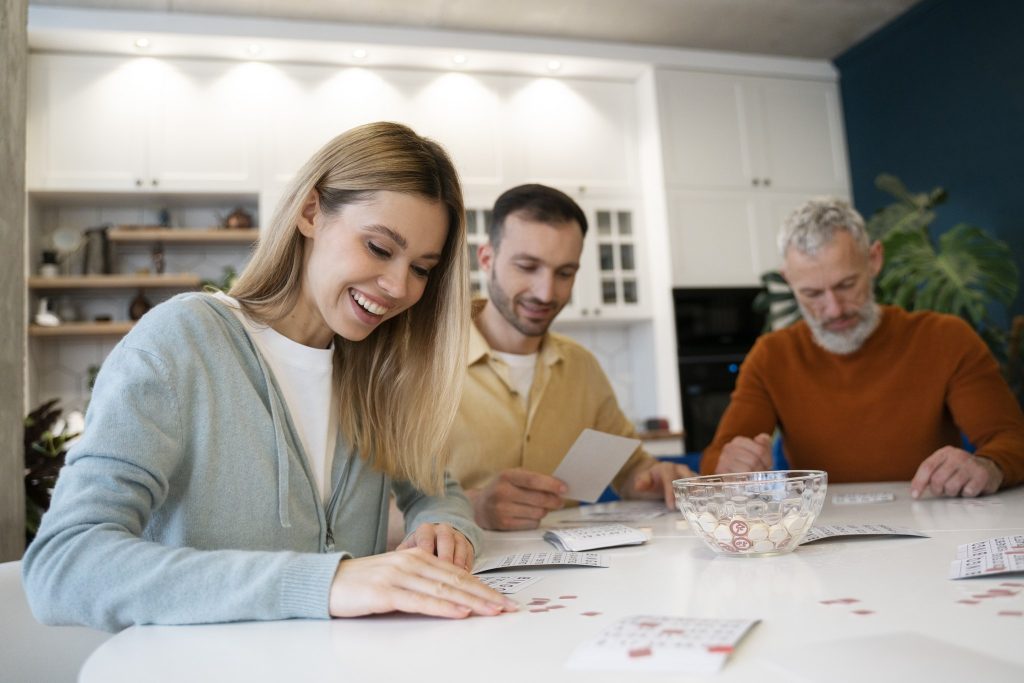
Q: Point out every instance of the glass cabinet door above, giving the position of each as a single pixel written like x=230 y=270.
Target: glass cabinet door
x=477 y=221
x=616 y=258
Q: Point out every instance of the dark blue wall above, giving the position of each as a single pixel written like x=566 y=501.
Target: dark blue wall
x=937 y=98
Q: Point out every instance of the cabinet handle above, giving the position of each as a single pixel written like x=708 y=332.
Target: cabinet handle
x=767 y=182
x=155 y=182
x=138 y=182
x=756 y=182
x=584 y=311
x=597 y=311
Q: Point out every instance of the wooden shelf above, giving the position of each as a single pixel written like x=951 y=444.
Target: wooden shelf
x=93 y=329
x=170 y=281
x=128 y=235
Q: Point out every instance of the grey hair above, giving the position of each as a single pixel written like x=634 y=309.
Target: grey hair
x=814 y=224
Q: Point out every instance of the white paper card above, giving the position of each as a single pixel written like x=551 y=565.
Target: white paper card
x=660 y=643
x=819 y=532
x=592 y=462
x=1012 y=545
x=552 y=559
x=986 y=565
x=506 y=584
x=863 y=498
x=623 y=511
x=592 y=537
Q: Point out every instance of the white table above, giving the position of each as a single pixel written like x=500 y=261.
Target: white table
x=917 y=629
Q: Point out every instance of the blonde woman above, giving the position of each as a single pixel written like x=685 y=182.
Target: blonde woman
x=239 y=450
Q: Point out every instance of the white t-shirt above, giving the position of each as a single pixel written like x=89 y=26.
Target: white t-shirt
x=521 y=369
x=304 y=375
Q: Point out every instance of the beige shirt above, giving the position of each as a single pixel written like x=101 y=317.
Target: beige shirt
x=494 y=430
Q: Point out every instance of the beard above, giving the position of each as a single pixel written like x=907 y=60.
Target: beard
x=506 y=305
x=847 y=341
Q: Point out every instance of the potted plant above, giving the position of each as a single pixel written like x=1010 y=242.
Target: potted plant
x=47 y=437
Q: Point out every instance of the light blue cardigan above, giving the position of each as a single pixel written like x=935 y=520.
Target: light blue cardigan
x=188 y=499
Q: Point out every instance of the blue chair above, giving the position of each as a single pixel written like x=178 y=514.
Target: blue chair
x=779 y=461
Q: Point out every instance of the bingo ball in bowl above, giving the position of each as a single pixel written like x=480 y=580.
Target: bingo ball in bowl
x=752 y=514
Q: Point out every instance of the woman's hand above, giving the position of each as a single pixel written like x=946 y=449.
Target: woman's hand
x=443 y=541
x=412 y=581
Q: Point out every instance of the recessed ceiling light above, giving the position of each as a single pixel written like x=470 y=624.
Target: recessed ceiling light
x=142 y=43
x=554 y=65
x=460 y=58
x=359 y=53
x=254 y=49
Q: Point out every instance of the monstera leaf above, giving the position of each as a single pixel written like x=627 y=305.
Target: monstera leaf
x=969 y=271
x=912 y=211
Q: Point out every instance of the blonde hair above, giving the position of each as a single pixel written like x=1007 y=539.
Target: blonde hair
x=399 y=389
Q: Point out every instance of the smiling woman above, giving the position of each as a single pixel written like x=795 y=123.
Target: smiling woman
x=240 y=448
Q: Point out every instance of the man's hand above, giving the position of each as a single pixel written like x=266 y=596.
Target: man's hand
x=443 y=541
x=952 y=471
x=410 y=581
x=516 y=499
x=656 y=481
x=746 y=455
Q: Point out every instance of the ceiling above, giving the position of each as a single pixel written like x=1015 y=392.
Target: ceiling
x=816 y=29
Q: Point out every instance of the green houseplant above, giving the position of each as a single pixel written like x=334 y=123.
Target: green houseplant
x=965 y=272
x=46 y=440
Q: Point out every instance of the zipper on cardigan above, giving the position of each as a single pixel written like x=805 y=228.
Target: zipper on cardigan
x=330 y=539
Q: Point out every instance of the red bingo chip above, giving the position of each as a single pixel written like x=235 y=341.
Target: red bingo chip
x=739 y=528
x=741 y=543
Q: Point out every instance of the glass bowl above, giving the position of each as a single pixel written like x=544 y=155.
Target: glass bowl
x=752 y=514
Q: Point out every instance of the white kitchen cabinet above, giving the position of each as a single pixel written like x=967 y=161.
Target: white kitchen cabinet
x=740 y=153
x=725 y=238
x=723 y=131
x=499 y=130
x=119 y=124
x=573 y=134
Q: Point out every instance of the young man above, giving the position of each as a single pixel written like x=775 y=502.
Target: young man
x=868 y=392
x=529 y=392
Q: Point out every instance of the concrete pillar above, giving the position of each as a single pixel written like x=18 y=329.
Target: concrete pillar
x=13 y=96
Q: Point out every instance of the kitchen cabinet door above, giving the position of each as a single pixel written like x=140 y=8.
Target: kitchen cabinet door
x=310 y=105
x=726 y=238
x=715 y=238
x=610 y=284
x=202 y=126
x=706 y=132
x=86 y=123
x=802 y=145
x=573 y=134
x=723 y=131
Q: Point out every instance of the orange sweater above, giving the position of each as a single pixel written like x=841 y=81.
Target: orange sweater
x=876 y=414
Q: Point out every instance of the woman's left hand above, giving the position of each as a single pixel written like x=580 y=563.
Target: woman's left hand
x=441 y=540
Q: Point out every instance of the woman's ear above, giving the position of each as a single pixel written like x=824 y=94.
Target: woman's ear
x=307 y=217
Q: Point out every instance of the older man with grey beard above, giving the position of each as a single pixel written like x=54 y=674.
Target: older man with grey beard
x=863 y=391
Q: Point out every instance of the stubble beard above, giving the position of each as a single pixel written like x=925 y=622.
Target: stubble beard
x=506 y=306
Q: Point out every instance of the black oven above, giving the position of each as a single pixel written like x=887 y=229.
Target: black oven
x=715 y=327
